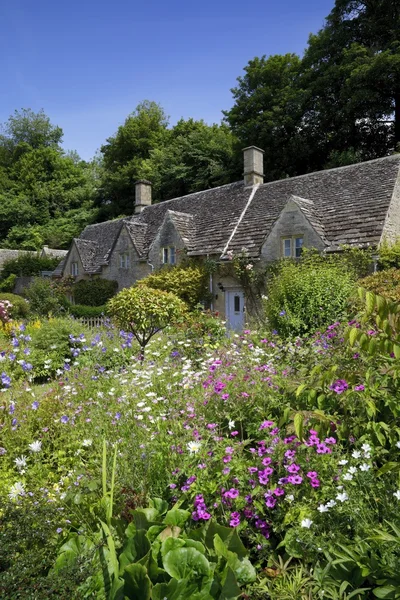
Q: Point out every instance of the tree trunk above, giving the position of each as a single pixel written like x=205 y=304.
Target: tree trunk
x=397 y=119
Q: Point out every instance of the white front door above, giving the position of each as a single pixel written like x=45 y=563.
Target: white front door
x=234 y=307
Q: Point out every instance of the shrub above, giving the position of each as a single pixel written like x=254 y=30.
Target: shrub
x=28 y=265
x=94 y=292
x=389 y=255
x=303 y=298
x=385 y=283
x=188 y=283
x=200 y=332
x=7 y=285
x=44 y=297
x=82 y=311
x=144 y=312
x=19 y=308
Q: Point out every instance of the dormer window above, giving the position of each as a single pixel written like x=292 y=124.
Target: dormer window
x=168 y=255
x=292 y=246
x=74 y=269
x=124 y=260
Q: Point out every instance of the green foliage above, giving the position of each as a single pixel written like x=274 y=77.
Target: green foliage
x=44 y=297
x=82 y=310
x=20 y=308
x=389 y=255
x=28 y=265
x=94 y=292
x=8 y=284
x=303 y=298
x=144 y=311
x=188 y=283
x=385 y=283
x=199 y=332
x=46 y=191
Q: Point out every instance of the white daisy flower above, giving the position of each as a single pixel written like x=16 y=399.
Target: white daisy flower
x=194 y=447
x=397 y=494
x=35 y=446
x=16 y=490
x=342 y=497
x=306 y=523
x=87 y=442
x=365 y=467
x=356 y=454
x=323 y=508
x=20 y=462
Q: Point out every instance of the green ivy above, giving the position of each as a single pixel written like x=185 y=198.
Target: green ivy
x=94 y=292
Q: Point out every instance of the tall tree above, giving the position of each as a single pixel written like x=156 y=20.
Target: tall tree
x=351 y=69
x=123 y=154
x=196 y=156
x=268 y=112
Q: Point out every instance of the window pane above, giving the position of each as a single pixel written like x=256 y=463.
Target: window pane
x=299 y=246
x=172 y=255
x=287 y=247
x=165 y=255
x=236 y=306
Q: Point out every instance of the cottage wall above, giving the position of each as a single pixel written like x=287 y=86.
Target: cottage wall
x=291 y=222
x=137 y=269
x=391 y=228
x=166 y=237
x=71 y=258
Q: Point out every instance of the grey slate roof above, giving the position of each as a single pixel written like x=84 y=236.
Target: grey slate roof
x=137 y=233
x=185 y=226
x=346 y=205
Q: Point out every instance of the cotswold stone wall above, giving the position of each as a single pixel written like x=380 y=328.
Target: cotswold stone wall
x=167 y=236
x=136 y=269
x=291 y=222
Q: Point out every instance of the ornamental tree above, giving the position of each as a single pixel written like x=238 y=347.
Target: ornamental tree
x=188 y=283
x=145 y=311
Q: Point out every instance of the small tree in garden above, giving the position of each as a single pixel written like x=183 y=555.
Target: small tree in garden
x=145 y=311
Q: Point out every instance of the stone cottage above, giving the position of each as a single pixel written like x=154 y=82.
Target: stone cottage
x=353 y=205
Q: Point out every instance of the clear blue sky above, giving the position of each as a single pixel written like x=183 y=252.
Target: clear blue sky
x=89 y=63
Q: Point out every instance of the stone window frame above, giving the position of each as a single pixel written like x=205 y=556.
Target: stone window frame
x=74 y=269
x=168 y=255
x=295 y=249
x=124 y=260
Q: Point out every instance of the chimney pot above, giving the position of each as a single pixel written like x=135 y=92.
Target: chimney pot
x=142 y=195
x=253 y=165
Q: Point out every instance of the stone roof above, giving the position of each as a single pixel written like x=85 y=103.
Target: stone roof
x=137 y=233
x=346 y=205
x=53 y=252
x=6 y=255
x=185 y=226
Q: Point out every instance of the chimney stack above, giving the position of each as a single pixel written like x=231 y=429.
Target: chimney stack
x=142 y=195
x=253 y=165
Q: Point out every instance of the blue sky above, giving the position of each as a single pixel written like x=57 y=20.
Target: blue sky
x=89 y=63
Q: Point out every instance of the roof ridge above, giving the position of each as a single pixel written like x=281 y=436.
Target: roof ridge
x=343 y=168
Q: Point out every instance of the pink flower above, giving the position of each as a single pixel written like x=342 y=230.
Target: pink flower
x=270 y=502
x=293 y=468
x=266 y=461
x=312 y=474
x=315 y=483
x=330 y=440
x=295 y=479
x=279 y=492
x=266 y=424
x=233 y=433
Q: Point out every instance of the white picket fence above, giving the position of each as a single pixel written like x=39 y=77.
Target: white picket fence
x=93 y=322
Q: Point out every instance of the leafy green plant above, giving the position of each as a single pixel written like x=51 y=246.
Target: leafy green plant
x=82 y=311
x=144 y=312
x=384 y=283
x=389 y=255
x=189 y=283
x=28 y=265
x=8 y=284
x=20 y=308
x=303 y=298
x=94 y=292
x=44 y=297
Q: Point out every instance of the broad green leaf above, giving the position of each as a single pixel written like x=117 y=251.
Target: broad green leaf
x=186 y=563
x=370 y=302
x=230 y=589
x=299 y=425
x=137 y=582
x=388 y=592
x=177 y=517
x=353 y=335
x=171 y=543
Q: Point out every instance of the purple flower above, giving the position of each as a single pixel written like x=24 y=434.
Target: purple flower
x=5 y=380
x=359 y=388
x=295 y=479
x=270 y=502
x=232 y=494
x=64 y=419
x=339 y=386
x=35 y=405
x=266 y=424
x=235 y=519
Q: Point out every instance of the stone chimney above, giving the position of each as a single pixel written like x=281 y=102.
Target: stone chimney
x=253 y=165
x=142 y=195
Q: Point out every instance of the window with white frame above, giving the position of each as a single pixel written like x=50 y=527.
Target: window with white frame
x=74 y=269
x=168 y=255
x=292 y=246
x=124 y=260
